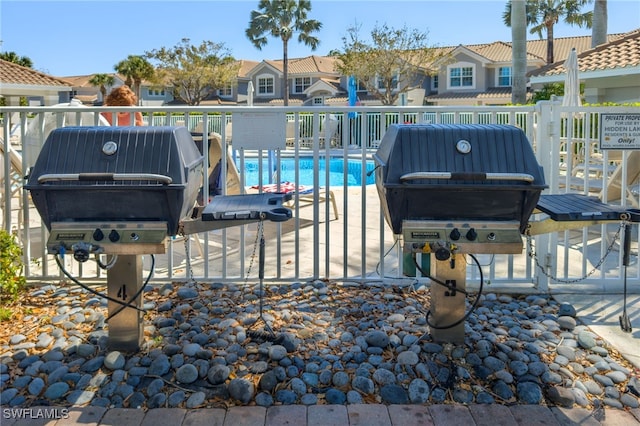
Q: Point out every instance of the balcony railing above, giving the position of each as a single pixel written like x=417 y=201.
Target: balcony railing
x=338 y=231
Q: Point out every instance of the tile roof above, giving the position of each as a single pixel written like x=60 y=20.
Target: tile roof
x=83 y=80
x=245 y=67
x=622 y=52
x=308 y=65
x=563 y=45
x=498 y=51
x=11 y=73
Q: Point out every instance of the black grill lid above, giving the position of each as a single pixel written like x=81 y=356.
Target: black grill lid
x=457 y=172
x=440 y=148
x=116 y=174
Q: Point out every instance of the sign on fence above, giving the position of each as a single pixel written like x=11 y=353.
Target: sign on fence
x=619 y=131
x=259 y=130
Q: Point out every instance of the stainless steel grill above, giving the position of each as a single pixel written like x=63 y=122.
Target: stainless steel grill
x=449 y=190
x=122 y=191
x=453 y=190
x=115 y=175
x=456 y=180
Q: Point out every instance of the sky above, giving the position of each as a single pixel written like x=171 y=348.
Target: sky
x=68 y=38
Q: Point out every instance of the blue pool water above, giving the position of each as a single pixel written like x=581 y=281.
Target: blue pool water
x=287 y=171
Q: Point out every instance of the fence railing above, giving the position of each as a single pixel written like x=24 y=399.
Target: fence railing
x=338 y=231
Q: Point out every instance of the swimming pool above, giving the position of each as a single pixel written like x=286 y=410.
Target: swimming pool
x=287 y=171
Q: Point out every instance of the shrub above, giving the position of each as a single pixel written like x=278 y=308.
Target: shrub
x=12 y=281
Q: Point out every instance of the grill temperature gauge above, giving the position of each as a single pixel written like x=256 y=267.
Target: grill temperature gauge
x=463 y=146
x=109 y=148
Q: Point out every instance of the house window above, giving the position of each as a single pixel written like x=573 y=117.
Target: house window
x=155 y=93
x=226 y=92
x=265 y=86
x=504 y=76
x=461 y=77
x=394 y=83
x=318 y=101
x=434 y=83
x=301 y=84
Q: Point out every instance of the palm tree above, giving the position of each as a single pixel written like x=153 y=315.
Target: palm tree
x=135 y=68
x=542 y=15
x=102 y=81
x=282 y=19
x=599 y=29
x=519 y=47
x=24 y=61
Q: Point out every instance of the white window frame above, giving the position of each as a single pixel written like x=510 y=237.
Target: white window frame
x=259 y=86
x=226 y=92
x=499 y=76
x=155 y=93
x=304 y=84
x=318 y=100
x=461 y=66
x=382 y=89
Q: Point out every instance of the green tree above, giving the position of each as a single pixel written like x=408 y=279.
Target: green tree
x=24 y=61
x=599 y=28
x=102 y=81
x=135 y=68
x=283 y=19
x=547 y=91
x=519 y=47
x=195 y=72
x=543 y=15
x=392 y=62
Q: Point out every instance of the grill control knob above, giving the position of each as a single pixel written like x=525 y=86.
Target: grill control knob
x=114 y=236
x=442 y=254
x=472 y=234
x=455 y=234
x=98 y=235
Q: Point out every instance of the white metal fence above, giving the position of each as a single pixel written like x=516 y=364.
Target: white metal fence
x=332 y=147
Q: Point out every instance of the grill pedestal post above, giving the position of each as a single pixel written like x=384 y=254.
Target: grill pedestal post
x=447 y=308
x=124 y=279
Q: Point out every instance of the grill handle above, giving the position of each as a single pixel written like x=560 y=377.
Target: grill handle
x=105 y=177
x=467 y=176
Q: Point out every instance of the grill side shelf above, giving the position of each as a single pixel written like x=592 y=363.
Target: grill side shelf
x=574 y=211
x=226 y=211
x=569 y=207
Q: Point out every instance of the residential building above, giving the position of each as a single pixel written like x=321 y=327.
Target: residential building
x=86 y=92
x=475 y=74
x=38 y=88
x=609 y=72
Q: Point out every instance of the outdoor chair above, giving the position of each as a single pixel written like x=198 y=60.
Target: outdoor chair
x=614 y=190
x=595 y=185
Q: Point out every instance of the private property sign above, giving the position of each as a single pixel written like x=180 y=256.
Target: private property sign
x=620 y=131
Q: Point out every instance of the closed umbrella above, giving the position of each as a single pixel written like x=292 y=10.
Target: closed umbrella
x=250 y=91
x=571 y=83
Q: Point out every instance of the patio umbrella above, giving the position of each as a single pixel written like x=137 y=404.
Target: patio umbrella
x=250 y=91
x=571 y=83
x=353 y=97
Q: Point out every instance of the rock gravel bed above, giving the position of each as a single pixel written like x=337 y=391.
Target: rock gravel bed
x=338 y=343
